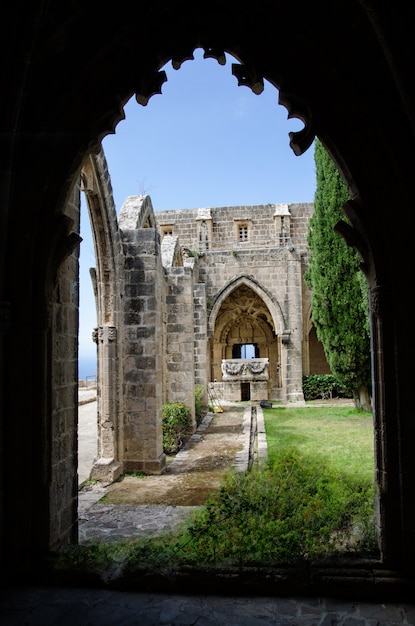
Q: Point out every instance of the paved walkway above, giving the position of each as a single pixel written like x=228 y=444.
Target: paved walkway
x=98 y=521
x=50 y=606
x=87 y=432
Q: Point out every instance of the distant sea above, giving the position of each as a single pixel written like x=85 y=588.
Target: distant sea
x=87 y=367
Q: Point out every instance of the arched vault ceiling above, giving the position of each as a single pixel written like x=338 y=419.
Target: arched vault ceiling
x=242 y=302
x=248 y=329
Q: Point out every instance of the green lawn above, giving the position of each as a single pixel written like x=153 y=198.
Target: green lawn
x=341 y=436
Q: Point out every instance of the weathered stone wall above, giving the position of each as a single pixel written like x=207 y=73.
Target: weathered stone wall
x=143 y=351
x=266 y=244
x=263 y=221
x=59 y=419
x=200 y=335
x=183 y=223
x=187 y=286
x=179 y=354
x=300 y=218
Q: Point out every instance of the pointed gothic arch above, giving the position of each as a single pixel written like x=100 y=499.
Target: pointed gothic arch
x=277 y=316
x=244 y=312
x=107 y=282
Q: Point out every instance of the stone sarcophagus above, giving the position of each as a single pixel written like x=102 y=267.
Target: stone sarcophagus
x=245 y=370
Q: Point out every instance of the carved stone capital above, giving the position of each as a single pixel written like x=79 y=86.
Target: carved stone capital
x=104 y=334
x=111 y=333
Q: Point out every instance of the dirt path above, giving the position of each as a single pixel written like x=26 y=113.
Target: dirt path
x=195 y=472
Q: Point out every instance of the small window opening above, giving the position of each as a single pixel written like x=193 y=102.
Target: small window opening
x=245 y=351
x=167 y=230
x=243 y=233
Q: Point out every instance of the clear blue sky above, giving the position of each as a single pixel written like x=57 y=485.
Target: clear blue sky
x=204 y=142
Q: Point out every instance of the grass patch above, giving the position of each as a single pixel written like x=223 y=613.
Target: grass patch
x=341 y=436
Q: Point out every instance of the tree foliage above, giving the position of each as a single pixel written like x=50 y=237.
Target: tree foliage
x=339 y=289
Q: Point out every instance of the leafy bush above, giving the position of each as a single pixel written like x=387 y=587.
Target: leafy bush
x=292 y=511
x=176 y=421
x=323 y=386
x=199 y=395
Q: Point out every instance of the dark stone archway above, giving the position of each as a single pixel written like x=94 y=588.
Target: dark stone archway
x=344 y=68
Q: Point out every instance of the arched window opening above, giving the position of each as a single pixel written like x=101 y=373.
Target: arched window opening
x=246 y=328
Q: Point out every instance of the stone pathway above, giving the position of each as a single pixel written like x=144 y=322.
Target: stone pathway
x=147 y=507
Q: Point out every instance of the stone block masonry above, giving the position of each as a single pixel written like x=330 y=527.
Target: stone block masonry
x=197 y=288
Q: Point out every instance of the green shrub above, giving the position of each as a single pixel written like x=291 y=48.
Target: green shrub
x=199 y=395
x=295 y=510
x=176 y=421
x=323 y=386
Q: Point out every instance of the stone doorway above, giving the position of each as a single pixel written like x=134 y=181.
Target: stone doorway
x=245 y=391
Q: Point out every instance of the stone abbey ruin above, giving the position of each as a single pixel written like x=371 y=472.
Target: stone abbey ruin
x=210 y=297
x=345 y=70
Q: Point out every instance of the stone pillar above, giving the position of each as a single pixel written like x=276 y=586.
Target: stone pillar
x=107 y=466
x=143 y=352
x=200 y=335
x=180 y=339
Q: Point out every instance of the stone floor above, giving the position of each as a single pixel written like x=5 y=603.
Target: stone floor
x=38 y=606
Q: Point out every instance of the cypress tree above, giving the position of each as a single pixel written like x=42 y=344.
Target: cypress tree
x=339 y=290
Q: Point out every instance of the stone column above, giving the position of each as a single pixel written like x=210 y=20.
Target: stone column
x=106 y=466
x=143 y=352
x=200 y=333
